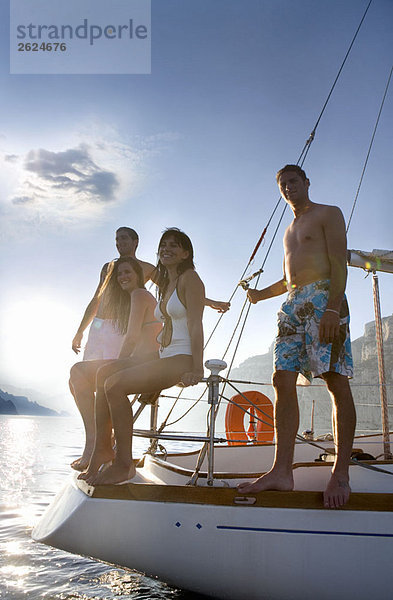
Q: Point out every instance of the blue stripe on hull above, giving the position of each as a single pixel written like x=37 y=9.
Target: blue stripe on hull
x=269 y=530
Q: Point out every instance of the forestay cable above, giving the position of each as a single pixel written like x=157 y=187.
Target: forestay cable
x=369 y=148
x=300 y=162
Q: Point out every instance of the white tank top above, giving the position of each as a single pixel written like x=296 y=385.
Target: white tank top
x=180 y=342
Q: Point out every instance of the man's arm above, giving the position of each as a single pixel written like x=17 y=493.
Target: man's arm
x=219 y=305
x=149 y=271
x=276 y=289
x=336 y=247
x=90 y=312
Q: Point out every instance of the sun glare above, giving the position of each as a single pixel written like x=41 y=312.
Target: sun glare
x=37 y=341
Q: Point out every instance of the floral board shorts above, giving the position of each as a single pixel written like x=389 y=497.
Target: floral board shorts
x=297 y=347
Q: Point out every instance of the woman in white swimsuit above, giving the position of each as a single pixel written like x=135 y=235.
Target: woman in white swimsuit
x=132 y=310
x=181 y=303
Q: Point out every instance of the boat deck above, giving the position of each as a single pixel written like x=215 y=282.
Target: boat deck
x=167 y=479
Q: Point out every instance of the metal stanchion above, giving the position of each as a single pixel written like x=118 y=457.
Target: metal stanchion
x=213 y=381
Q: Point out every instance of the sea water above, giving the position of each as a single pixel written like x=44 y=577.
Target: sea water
x=35 y=454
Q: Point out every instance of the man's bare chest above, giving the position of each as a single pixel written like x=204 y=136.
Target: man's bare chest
x=303 y=233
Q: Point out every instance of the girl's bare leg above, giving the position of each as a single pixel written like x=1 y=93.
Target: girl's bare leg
x=82 y=386
x=102 y=450
x=149 y=377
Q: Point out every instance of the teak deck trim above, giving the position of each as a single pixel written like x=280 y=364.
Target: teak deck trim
x=139 y=492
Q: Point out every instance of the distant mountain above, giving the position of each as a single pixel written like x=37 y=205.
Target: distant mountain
x=7 y=407
x=364 y=384
x=54 y=401
x=20 y=405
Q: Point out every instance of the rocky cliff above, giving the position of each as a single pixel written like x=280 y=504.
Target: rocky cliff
x=20 y=405
x=7 y=407
x=364 y=385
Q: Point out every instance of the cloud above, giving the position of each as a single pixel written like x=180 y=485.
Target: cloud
x=11 y=158
x=78 y=184
x=48 y=188
x=22 y=200
x=72 y=171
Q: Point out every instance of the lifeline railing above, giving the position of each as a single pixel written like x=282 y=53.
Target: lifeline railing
x=213 y=381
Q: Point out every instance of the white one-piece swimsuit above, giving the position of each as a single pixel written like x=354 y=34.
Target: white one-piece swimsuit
x=181 y=341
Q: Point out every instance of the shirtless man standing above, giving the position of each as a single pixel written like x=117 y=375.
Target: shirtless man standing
x=313 y=333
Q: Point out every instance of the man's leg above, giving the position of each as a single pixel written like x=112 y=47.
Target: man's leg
x=338 y=491
x=286 y=420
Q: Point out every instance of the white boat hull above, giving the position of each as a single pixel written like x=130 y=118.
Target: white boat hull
x=219 y=548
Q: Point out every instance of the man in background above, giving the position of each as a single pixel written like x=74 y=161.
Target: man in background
x=104 y=342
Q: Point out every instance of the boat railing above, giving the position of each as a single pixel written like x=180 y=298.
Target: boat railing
x=213 y=382
x=211 y=438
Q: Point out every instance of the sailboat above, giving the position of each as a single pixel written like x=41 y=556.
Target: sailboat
x=181 y=518
x=190 y=527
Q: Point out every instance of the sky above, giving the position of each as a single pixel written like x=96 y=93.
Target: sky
x=235 y=90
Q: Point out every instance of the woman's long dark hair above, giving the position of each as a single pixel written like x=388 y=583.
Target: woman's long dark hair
x=184 y=242
x=116 y=301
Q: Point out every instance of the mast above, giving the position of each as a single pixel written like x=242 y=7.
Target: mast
x=377 y=260
x=381 y=370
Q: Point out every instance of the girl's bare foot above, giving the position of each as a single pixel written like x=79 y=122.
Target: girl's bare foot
x=98 y=458
x=115 y=473
x=80 y=464
x=269 y=481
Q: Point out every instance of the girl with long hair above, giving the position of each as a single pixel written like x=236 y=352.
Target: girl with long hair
x=180 y=308
x=131 y=308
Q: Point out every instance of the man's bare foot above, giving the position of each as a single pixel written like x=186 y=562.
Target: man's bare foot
x=98 y=458
x=270 y=481
x=116 y=473
x=337 y=492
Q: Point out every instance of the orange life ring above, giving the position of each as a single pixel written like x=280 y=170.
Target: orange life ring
x=260 y=429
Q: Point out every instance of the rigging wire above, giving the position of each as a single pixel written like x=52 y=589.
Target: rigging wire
x=300 y=161
x=246 y=268
x=312 y=135
x=369 y=148
x=301 y=438
x=309 y=141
